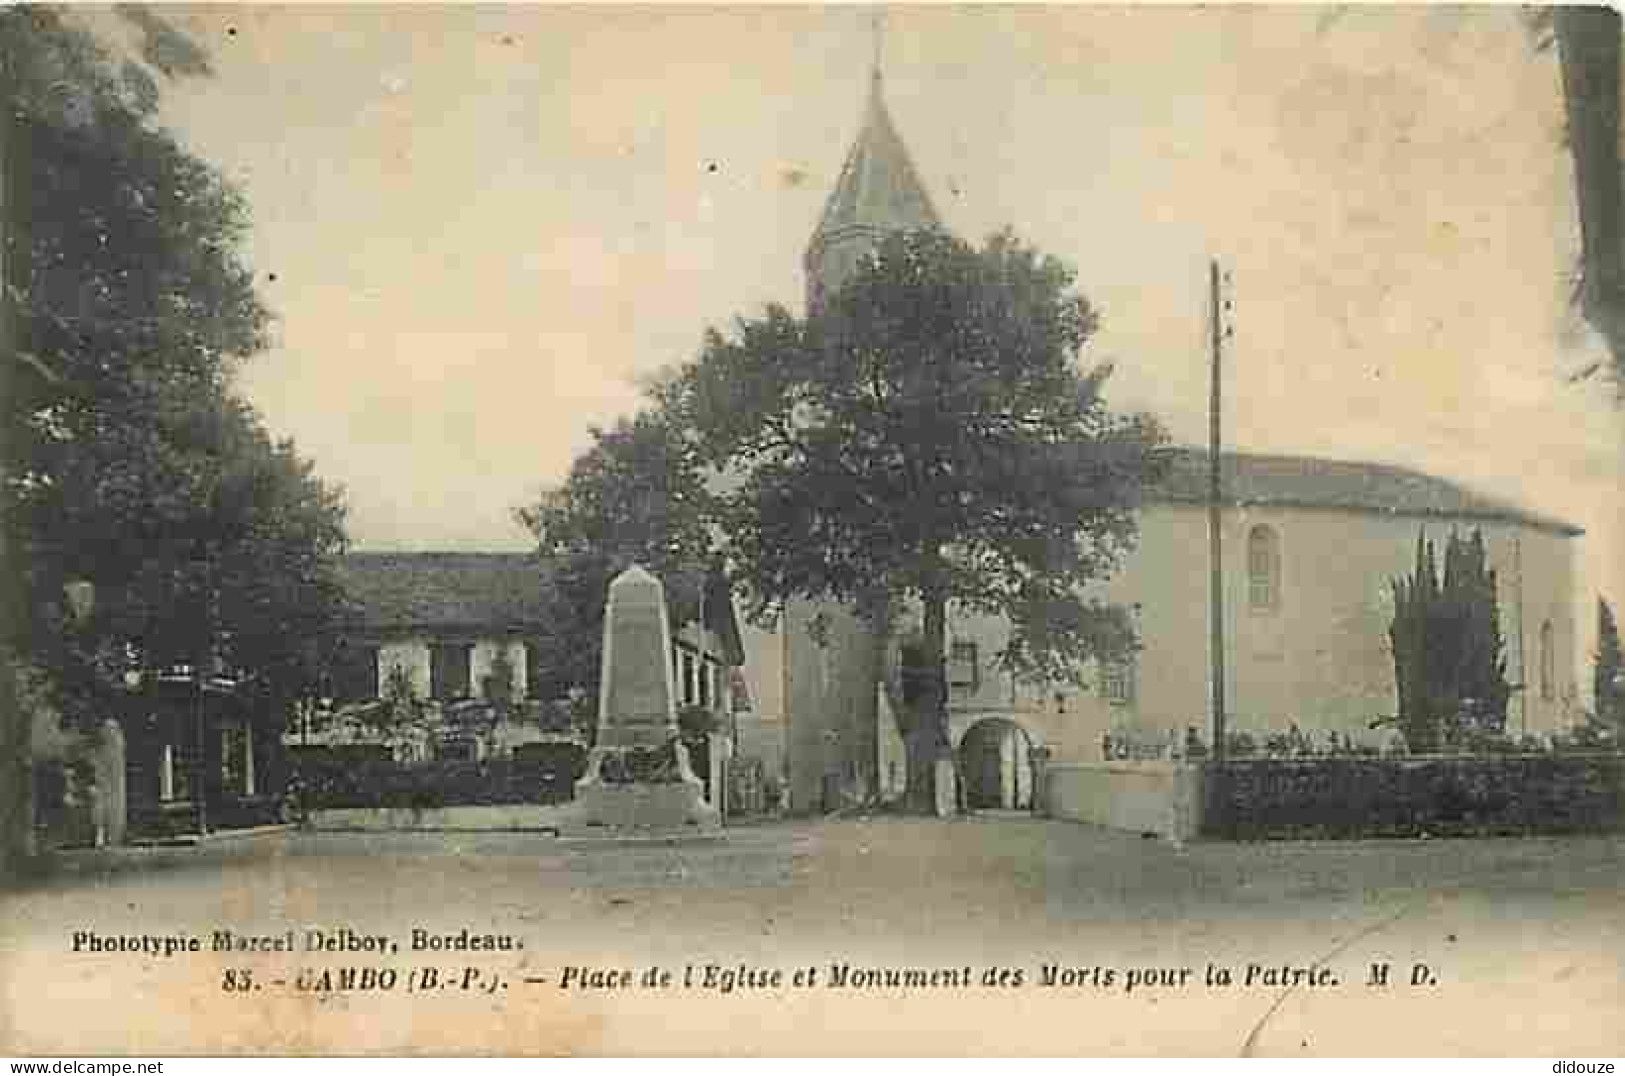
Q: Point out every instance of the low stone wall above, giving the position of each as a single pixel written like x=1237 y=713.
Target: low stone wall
x=1163 y=798
x=511 y=817
x=1257 y=799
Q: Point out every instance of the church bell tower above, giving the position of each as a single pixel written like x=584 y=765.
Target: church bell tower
x=878 y=192
x=833 y=657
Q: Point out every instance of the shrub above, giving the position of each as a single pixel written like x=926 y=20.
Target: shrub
x=1435 y=795
x=429 y=785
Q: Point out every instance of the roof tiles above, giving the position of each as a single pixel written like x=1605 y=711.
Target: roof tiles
x=1306 y=482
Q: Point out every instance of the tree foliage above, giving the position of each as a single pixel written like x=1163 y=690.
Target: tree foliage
x=1609 y=688
x=1588 y=39
x=929 y=434
x=399 y=708
x=636 y=496
x=130 y=463
x=1449 y=665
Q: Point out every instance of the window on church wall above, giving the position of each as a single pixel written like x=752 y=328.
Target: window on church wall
x=1548 y=662
x=963 y=666
x=450 y=665
x=1117 y=681
x=1263 y=569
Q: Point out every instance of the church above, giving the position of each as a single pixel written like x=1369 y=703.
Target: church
x=1310 y=550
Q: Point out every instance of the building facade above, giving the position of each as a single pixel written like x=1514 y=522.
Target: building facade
x=1310 y=556
x=202 y=752
x=440 y=659
x=1311 y=549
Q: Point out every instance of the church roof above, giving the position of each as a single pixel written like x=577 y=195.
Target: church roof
x=1248 y=479
x=878 y=187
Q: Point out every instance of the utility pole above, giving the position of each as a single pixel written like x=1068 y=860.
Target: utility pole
x=1219 y=331
x=1523 y=666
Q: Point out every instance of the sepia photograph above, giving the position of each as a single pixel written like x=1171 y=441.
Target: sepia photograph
x=921 y=530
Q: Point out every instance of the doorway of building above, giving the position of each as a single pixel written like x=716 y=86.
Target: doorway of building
x=995 y=760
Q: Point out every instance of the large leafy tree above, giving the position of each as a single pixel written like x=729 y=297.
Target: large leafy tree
x=1588 y=39
x=929 y=434
x=129 y=463
x=637 y=495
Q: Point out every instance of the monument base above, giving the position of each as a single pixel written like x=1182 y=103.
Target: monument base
x=639 y=809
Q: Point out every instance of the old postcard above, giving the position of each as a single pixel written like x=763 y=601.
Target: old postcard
x=741 y=530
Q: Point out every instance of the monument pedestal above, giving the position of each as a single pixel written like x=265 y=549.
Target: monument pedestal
x=622 y=806
x=638 y=782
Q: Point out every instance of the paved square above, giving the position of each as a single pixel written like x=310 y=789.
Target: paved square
x=1524 y=943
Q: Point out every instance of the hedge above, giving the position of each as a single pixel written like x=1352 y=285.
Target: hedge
x=1407 y=797
x=425 y=785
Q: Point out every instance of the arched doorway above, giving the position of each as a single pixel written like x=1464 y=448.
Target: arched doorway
x=995 y=761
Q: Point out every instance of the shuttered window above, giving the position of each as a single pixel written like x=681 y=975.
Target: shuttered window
x=356 y=674
x=449 y=665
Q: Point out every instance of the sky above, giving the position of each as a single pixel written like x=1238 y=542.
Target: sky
x=481 y=227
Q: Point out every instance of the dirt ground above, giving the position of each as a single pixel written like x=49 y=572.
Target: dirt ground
x=856 y=936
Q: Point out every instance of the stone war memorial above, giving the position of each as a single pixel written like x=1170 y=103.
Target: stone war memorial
x=638 y=782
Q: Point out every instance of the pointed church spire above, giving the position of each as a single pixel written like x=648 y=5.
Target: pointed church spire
x=878 y=192
x=879 y=44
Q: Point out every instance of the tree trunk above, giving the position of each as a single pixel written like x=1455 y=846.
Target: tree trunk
x=927 y=743
x=17 y=782
x=16 y=726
